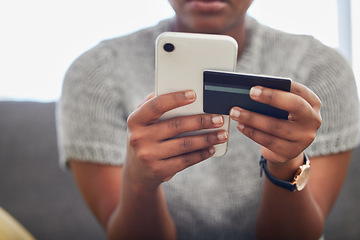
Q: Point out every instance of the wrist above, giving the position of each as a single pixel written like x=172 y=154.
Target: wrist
x=285 y=171
x=132 y=181
x=140 y=190
x=299 y=179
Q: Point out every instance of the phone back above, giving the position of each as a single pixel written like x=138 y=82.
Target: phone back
x=181 y=59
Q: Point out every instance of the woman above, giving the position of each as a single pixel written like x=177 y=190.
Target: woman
x=132 y=188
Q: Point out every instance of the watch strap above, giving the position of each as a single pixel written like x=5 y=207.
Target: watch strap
x=274 y=180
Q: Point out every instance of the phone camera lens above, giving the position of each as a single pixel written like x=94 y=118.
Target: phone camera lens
x=168 y=47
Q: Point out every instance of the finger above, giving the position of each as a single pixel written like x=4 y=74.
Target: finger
x=273 y=126
x=182 y=145
x=172 y=127
x=181 y=162
x=307 y=94
x=152 y=109
x=278 y=145
x=294 y=104
x=150 y=96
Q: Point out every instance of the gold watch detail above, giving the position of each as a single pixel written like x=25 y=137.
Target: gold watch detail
x=302 y=175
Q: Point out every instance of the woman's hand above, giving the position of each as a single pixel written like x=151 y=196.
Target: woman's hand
x=281 y=140
x=153 y=155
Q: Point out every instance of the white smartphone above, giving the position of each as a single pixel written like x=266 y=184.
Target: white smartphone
x=182 y=58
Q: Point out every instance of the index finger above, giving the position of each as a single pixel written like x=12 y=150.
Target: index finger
x=307 y=94
x=297 y=101
x=288 y=101
x=154 y=108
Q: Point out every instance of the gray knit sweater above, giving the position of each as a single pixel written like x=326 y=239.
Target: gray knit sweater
x=218 y=198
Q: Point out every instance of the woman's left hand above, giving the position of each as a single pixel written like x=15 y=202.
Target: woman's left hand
x=281 y=140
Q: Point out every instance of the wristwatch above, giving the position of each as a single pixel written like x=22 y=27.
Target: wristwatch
x=300 y=179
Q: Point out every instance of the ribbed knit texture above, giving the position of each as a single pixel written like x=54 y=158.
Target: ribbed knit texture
x=218 y=198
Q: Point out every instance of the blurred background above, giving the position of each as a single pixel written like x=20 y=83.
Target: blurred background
x=41 y=38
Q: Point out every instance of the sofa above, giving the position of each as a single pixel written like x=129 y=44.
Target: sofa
x=45 y=198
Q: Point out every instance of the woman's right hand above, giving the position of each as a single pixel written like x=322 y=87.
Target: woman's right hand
x=153 y=155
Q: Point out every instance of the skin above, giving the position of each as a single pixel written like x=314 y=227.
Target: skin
x=130 y=197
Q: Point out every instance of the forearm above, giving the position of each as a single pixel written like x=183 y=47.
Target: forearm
x=141 y=215
x=288 y=215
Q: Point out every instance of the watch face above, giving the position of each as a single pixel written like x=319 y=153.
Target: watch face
x=303 y=177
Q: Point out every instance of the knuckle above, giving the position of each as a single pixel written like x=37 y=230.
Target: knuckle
x=270 y=95
x=203 y=154
x=144 y=155
x=299 y=105
x=185 y=144
x=134 y=138
x=178 y=96
x=211 y=139
x=248 y=117
x=202 y=121
x=175 y=123
x=155 y=105
x=275 y=126
x=187 y=160
x=297 y=88
x=318 y=121
x=250 y=132
x=194 y=157
x=208 y=139
x=269 y=143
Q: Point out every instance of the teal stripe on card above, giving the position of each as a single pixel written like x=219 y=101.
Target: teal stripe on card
x=227 y=89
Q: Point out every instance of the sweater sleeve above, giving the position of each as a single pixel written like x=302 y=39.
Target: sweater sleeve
x=90 y=119
x=331 y=78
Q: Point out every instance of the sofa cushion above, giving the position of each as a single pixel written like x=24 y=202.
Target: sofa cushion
x=33 y=189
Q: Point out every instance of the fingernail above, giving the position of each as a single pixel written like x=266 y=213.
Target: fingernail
x=190 y=94
x=255 y=91
x=222 y=135
x=211 y=150
x=240 y=126
x=217 y=120
x=234 y=113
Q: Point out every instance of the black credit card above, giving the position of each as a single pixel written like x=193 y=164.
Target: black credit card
x=224 y=90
